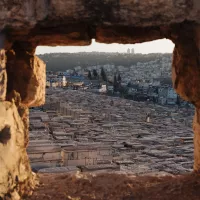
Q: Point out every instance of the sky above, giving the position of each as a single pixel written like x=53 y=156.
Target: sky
x=156 y=46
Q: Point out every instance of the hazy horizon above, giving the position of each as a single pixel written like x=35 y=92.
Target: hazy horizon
x=156 y=46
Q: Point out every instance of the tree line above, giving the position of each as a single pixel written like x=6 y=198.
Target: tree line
x=94 y=74
x=64 y=61
x=116 y=82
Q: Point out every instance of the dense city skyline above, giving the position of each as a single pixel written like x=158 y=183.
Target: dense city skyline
x=157 y=46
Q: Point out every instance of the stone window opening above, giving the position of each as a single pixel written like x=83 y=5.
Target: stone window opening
x=24 y=26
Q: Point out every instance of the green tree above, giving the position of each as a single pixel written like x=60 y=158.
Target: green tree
x=178 y=101
x=103 y=74
x=115 y=84
x=129 y=84
x=119 y=79
x=95 y=74
x=89 y=75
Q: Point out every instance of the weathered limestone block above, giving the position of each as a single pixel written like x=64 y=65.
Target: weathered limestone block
x=29 y=80
x=196 y=128
x=27 y=13
x=74 y=22
x=186 y=76
x=186 y=65
x=23 y=113
x=16 y=177
x=196 y=122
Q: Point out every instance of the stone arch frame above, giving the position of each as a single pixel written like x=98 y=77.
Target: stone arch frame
x=25 y=24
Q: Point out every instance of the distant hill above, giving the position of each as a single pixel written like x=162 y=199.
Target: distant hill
x=64 y=61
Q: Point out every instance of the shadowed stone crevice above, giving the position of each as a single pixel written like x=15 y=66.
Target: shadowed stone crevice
x=26 y=24
x=29 y=80
x=5 y=135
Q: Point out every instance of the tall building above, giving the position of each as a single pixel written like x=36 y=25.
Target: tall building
x=128 y=50
x=132 y=50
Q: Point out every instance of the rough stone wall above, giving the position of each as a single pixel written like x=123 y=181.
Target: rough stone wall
x=29 y=80
x=22 y=85
x=24 y=24
x=76 y=22
x=186 y=75
x=16 y=177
